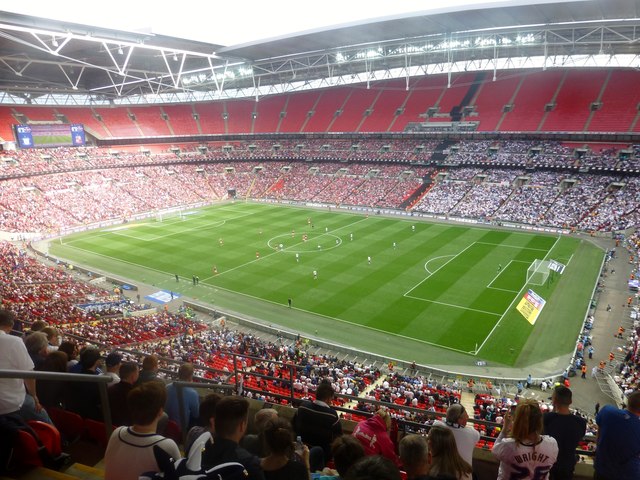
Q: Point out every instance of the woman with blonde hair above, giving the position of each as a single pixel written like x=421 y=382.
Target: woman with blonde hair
x=446 y=462
x=520 y=447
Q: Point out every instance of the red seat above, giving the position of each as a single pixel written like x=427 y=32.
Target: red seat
x=173 y=431
x=48 y=435
x=25 y=450
x=70 y=424
x=95 y=431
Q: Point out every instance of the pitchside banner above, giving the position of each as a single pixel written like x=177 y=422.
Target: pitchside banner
x=530 y=306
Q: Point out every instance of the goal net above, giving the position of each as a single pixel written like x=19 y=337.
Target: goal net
x=538 y=272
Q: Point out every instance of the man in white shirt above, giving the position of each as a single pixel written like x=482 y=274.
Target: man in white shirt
x=13 y=356
x=466 y=437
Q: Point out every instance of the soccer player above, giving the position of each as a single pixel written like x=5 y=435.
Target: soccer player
x=351 y=237
x=297 y=258
x=177 y=278
x=369 y=260
x=413 y=228
x=215 y=270
x=315 y=274
x=394 y=245
x=257 y=254
x=221 y=242
x=289 y=301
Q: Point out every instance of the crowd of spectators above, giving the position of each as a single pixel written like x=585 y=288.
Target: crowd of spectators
x=104 y=185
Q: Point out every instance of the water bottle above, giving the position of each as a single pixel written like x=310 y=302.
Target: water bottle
x=299 y=448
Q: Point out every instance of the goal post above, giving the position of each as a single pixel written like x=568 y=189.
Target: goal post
x=538 y=272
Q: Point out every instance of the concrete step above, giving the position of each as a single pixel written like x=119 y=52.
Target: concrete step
x=41 y=473
x=85 y=472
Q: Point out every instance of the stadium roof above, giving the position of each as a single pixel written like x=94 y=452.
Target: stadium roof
x=51 y=61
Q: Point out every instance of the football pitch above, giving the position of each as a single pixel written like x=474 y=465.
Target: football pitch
x=400 y=287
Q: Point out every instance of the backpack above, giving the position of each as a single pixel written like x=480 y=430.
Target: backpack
x=190 y=468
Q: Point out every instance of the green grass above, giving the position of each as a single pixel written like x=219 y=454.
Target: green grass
x=437 y=297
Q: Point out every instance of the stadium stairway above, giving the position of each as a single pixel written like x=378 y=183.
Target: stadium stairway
x=468 y=401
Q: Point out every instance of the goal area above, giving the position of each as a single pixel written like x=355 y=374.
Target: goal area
x=538 y=272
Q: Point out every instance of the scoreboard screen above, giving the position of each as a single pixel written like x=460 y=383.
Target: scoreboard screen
x=49 y=135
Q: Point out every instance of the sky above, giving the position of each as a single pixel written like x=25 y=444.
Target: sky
x=232 y=22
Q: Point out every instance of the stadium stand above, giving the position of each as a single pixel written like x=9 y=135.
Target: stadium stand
x=387 y=106
x=150 y=121
x=297 y=111
x=326 y=109
x=534 y=92
x=541 y=183
x=268 y=114
x=211 y=117
x=180 y=119
x=573 y=100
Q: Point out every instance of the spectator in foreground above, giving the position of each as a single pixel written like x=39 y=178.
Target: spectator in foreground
x=231 y=420
x=117 y=393
x=149 y=370
x=446 y=462
x=71 y=349
x=414 y=454
x=190 y=399
x=521 y=448
x=51 y=392
x=568 y=430
x=13 y=356
x=374 y=467
x=254 y=443
x=130 y=449
x=373 y=434
x=206 y=420
x=318 y=423
x=346 y=451
x=112 y=364
x=618 y=444
x=281 y=463
x=466 y=437
x=37 y=344
x=53 y=338
x=83 y=398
